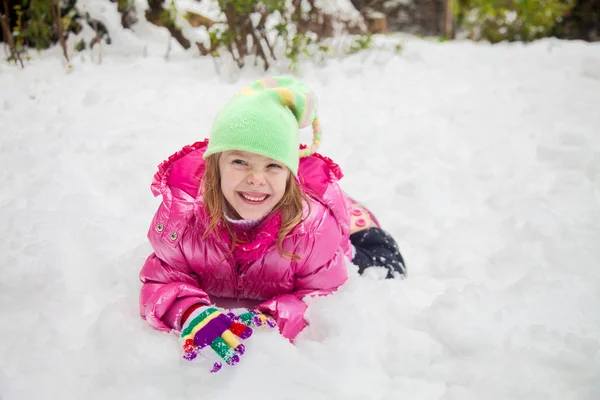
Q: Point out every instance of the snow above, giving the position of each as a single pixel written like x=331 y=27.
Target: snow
x=343 y=9
x=483 y=162
x=125 y=42
x=207 y=8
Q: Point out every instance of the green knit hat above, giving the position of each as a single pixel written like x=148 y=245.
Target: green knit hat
x=265 y=118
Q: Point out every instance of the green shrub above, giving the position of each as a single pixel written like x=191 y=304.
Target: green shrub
x=511 y=20
x=39 y=29
x=246 y=30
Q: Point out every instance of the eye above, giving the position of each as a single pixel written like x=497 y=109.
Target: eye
x=239 y=162
x=273 y=165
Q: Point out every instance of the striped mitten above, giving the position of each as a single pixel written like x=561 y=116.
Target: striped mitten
x=207 y=328
x=256 y=319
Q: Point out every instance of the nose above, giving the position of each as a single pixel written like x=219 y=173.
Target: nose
x=256 y=178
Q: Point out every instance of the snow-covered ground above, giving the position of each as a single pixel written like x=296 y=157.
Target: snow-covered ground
x=483 y=161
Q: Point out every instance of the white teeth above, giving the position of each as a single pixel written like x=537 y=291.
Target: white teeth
x=253 y=198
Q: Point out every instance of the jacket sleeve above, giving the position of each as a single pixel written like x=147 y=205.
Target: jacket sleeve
x=320 y=272
x=169 y=288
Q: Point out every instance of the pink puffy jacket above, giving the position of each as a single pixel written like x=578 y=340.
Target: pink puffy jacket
x=185 y=269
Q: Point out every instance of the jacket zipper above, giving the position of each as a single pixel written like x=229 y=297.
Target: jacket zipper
x=239 y=278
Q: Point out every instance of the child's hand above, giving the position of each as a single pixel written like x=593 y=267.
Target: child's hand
x=255 y=318
x=207 y=327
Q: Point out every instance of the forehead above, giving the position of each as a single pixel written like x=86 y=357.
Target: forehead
x=248 y=156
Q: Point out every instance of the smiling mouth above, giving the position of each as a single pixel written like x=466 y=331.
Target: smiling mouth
x=253 y=199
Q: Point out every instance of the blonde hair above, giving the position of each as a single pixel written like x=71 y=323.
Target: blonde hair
x=216 y=205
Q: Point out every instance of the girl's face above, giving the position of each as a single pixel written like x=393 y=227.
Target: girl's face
x=251 y=183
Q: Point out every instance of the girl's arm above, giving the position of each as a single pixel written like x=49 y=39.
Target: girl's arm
x=321 y=271
x=169 y=285
x=169 y=288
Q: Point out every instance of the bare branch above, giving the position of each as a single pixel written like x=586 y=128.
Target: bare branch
x=8 y=38
x=56 y=13
x=259 y=49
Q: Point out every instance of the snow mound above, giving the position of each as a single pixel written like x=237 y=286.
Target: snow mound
x=469 y=154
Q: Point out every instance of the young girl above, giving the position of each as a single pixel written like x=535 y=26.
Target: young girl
x=250 y=221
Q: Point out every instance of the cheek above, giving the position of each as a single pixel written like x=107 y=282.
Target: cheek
x=228 y=183
x=279 y=185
